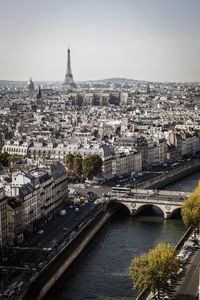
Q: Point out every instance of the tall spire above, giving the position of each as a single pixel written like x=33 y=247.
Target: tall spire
x=69 y=80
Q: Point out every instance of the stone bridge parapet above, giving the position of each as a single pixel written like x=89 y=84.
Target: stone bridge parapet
x=168 y=201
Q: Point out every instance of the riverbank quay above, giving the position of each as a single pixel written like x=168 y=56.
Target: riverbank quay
x=167 y=177
x=42 y=283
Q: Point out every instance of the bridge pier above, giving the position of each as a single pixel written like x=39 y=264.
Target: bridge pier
x=132 y=212
x=167 y=214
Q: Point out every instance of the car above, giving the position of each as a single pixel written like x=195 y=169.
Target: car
x=42 y=264
x=63 y=212
x=19 y=287
x=110 y=194
x=40 y=231
x=6 y=293
x=105 y=195
x=130 y=194
x=65 y=229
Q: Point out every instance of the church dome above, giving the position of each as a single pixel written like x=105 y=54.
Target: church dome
x=30 y=85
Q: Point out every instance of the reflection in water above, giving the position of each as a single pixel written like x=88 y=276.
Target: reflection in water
x=101 y=272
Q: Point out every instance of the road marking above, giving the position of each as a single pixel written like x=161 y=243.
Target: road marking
x=31 y=248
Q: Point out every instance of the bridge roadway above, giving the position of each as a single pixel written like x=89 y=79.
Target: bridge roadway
x=168 y=201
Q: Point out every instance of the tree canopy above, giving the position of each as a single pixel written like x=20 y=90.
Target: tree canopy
x=69 y=161
x=89 y=166
x=190 y=209
x=77 y=165
x=155 y=269
x=92 y=164
x=4 y=158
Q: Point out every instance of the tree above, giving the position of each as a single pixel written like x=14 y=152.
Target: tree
x=4 y=158
x=190 y=209
x=155 y=269
x=92 y=164
x=56 y=133
x=69 y=160
x=77 y=165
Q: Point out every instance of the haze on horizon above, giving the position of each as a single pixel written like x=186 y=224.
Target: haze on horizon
x=153 y=40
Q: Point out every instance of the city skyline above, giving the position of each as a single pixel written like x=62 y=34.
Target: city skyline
x=143 y=40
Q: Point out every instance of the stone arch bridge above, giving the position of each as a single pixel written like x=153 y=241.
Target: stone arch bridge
x=168 y=201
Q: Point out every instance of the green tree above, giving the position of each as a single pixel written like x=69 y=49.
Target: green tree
x=190 y=209
x=4 y=158
x=155 y=269
x=69 y=161
x=77 y=165
x=92 y=164
x=56 y=133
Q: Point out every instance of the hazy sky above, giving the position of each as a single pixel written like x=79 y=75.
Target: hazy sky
x=156 y=40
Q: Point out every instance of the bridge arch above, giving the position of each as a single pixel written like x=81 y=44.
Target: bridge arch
x=115 y=205
x=134 y=207
x=141 y=207
x=173 y=212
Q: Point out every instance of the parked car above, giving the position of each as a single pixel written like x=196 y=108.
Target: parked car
x=63 y=212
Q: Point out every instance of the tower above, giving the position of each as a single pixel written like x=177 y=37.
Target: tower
x=148 y=89
x=69 y=80
x=39 y=95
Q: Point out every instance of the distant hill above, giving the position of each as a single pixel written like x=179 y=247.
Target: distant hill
x=117 y=80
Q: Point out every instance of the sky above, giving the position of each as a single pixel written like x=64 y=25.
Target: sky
x=154 y=40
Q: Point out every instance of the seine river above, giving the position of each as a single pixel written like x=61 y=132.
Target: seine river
x=102 y=270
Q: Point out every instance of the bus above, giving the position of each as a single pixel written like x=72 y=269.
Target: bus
x=117 y=189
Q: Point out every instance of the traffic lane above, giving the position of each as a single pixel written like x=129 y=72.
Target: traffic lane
x=53 y=230
x=53 y=234
x=24 y=256
x=98 y=190
x=188 y=285
x=146 y=196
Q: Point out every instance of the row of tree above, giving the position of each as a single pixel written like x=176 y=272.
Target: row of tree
x=89 y=166
x=6 y=158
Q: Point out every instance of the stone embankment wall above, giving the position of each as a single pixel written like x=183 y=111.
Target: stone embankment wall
x=168 y=177
x=53 y=271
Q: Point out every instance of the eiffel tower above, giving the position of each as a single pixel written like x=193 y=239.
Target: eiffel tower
x=69 y=80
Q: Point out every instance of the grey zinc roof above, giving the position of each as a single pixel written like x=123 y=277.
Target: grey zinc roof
x=26 y=189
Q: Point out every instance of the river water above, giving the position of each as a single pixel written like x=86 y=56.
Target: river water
x=102 y=270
